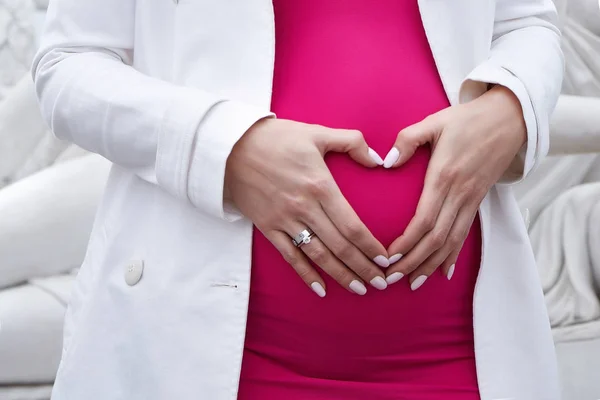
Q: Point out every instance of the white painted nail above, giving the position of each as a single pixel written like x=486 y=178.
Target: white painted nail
x=358 y=288
x=382 y=261
x=395 y=258
x=318 y=289
x=379 y=283
x=417 y=283
x=393 y=278
x=391 y=157
x=375 y=157
x=450 y=271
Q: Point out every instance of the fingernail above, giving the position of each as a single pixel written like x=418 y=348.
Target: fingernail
x=393 y=278
x=382 y=261
x=379 y=283
x=395 y=258
x=375 y=157
x=450 y=271
x=358 y=288
x=391 y=157
x=318 y=289
x=417 y=283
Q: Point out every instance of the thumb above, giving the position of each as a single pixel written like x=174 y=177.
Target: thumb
x=409 y=139
x=353 y=143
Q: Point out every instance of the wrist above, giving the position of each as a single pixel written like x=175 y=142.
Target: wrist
x=504 y=113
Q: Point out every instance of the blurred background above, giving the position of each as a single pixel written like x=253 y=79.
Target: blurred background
x=49 y=191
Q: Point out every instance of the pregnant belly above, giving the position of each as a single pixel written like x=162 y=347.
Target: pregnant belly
x=349 y=337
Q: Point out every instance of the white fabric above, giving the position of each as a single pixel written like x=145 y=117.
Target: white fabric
x=563 y=207
x=31 y=336
x=27 y=145
x=26 y=392
x=168 y=117
x=579 y=363
x=17 y=41
x=47 y=218
x=565 y=240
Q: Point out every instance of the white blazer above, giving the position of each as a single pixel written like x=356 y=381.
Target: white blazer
x=163 y=89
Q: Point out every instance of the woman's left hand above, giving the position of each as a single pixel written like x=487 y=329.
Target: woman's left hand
x=473 y=144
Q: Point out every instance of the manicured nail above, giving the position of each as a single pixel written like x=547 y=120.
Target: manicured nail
x=318 y=289
x=393 y=278
x=391 y=157
x=417 y=283
x=379 y=283
x=382 y=261
x=395 y=258
x=375 y=157
x=450 y=271
x=358 y=288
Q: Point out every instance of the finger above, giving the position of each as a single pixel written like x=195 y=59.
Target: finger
x=296 y=258
x=449 y=264
x=351 y=142
x=324 y=258
x=348 y=223
x=347 y=252
x=425 y=218
x=433 y=241
x=320 y=255
x=409 y=139
x=445 y=257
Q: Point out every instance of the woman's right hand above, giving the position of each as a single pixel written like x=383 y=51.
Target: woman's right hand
x=276 y=176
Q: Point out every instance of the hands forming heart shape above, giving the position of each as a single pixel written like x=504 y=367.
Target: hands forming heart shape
x=281 y=183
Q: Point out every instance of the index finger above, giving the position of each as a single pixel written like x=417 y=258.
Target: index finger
x=352 y=228
x=426 y=215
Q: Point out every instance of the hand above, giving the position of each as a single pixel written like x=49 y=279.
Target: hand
x=472 y=145
x=276 y=176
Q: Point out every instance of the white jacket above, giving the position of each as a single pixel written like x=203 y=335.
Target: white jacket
x=164 y=88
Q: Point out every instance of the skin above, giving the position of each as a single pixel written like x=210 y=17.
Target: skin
x=281 y=182
x=473 y=144
x=283 y=185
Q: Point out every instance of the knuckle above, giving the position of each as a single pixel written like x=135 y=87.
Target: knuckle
x=438 y=238
x=455 y=239
x=340 y=275
x=295 y=204
x=448 y=175
x=304 y=273
x=290 y=257
x=356 y=136
x=364 y=271
x=318 y=254
x=469 y=189
x=352 y=231
x=427 y=222
x=344 y=251
x=319 y=187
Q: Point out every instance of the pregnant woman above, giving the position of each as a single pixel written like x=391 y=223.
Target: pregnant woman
x=352 y=64
x=252 y=242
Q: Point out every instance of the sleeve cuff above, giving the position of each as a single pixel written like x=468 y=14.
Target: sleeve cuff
x=219 y=131
x=477 y=84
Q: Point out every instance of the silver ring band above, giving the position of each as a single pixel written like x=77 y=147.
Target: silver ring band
x=303 y=237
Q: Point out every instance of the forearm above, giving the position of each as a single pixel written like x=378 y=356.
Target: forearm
x=174 y=136
x=90 y=97
x=525 y=58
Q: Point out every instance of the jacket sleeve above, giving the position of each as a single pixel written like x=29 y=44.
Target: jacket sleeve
x=172 y=136
x=526 y=58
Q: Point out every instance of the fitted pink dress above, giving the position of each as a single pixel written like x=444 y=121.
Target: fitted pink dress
x=360 y=64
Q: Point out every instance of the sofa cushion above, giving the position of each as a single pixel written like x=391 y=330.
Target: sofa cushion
x=31 y=321
x=47 y=219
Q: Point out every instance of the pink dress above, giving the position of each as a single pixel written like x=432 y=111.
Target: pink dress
x=363 y=65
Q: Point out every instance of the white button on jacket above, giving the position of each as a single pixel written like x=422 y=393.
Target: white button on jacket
x=164 y=89
x=133 y=272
